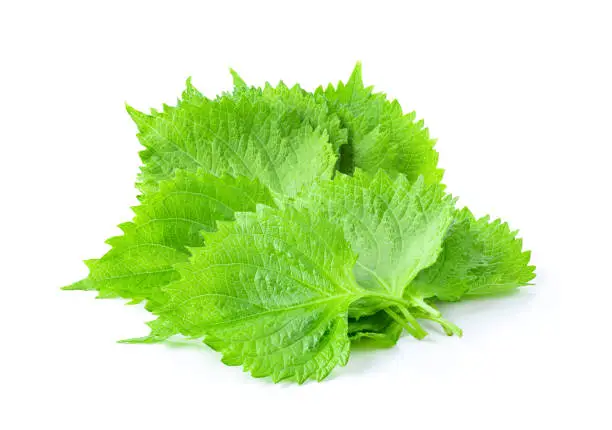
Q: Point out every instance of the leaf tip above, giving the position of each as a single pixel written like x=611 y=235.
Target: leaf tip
x=82 y=285
x=237 y=80
x=356 y=75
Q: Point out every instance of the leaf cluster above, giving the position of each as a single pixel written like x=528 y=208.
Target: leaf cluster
x=282 y=226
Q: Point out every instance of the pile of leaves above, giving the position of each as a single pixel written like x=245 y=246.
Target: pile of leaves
x=281 y=226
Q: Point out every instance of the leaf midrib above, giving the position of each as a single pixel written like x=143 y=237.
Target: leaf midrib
x=269 y=311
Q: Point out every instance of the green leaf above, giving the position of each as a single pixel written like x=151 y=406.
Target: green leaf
x=166 y=224
x=271 y=292
x=480 y=257
x=378 y=329
x=292 y=101
x=239 y=136
x=395 y=227
x=283 y=292
x=381 y=136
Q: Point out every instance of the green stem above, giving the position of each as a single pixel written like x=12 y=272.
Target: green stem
x=427 y=307
x=417 y=331
x=448 y=327
x=423 y=311
x=413 y=302
x=413 y=322
x=397 y=300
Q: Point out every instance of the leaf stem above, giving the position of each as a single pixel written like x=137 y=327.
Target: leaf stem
x=448 y=327
x=423 y=310
x=412 y=302
x=425 y=306
x=413 y=322
x=417 y=332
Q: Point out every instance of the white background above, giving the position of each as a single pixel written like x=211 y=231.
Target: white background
x=518 y=94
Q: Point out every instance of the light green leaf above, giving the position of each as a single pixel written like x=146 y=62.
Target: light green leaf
x=359 y=254
x=381 y=136
x=166 y=224
x=233 y=135
x=378 y=329
x=480 y=257
x=294 y=101
x=271 y=292
x=395 y=227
